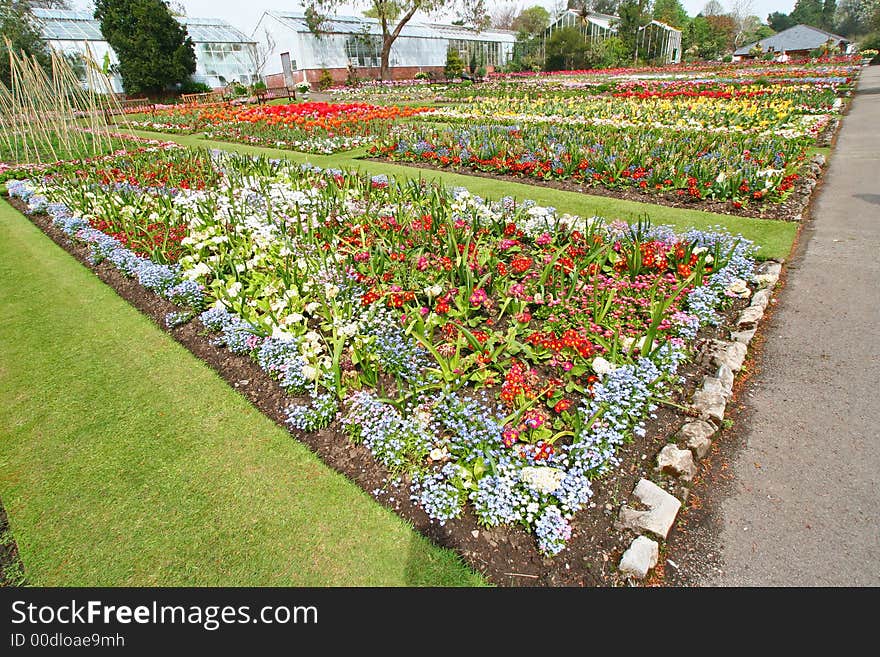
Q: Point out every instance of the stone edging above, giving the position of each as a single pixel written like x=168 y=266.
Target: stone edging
x=680 y=459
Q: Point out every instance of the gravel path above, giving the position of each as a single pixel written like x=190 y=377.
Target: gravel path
x=804 y=505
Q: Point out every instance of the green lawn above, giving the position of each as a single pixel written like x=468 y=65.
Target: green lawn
x=774 y=237
x=127 y=461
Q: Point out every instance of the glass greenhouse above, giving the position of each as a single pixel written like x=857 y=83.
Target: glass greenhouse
x=223 y=53
x=351 y=41
x=655 y=40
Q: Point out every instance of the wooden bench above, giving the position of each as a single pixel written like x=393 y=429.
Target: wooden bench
x=206 y=97
x=277 y=92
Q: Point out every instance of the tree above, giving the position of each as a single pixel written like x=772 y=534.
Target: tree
x=260 y=56
x=153 y=49
x=632 y=16
x=807 y=12
x=854 y=17
x=18 y=25
x=712 y=8
x=670 y=12
x=393 y=15
x=779 y=21
x=532 y=21
x=829 y=9
x=707 y=37
x=503 y=16
x=599 y=6
x=566 y=50
x=454 y=65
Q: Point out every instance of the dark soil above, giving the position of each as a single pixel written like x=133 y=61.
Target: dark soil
x=11 y=568
x=506 y=556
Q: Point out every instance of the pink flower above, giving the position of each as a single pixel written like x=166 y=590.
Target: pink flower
x=517 y=291
x=422 y=264
x=479 y=297
x=543 y=239
x=534 y=418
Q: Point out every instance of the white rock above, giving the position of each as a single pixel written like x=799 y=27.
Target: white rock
x=640 y=557
x=743 y=336
x=662 y=510
x=735 y=356
x=749 y=317
x=710 y=405
x=761 y=298
x=725 y=375
x=696 y=435
x=679 y=462
x=716 y=386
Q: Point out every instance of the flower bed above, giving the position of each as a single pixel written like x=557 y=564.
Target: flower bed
x=491 y=356
x=739 y=139
x=308 y=127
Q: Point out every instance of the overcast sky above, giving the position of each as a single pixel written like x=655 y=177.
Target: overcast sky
x=245 y=15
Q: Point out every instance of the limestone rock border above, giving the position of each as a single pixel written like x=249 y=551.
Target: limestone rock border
x=680 y=459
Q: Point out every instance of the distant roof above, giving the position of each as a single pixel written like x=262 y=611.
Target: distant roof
x=799 y=37
x=63 y=25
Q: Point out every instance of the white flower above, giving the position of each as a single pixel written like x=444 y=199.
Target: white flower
x=309 y=373
x=331 y=290
x=542 y=479
x=280 y=334
x=349 y=329
x=292 y=318
x=234 y=289
x=602 y=366
x=433 y=290
x=437 y=454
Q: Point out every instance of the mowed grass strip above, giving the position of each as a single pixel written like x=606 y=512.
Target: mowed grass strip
x=127 y=461
x=774 y=237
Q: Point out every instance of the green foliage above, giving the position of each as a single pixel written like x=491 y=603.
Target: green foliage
x=610 y=53
x=325 y=80
x=193 y=87
x=632 y=15
x=472 y=63
x=154 y=50
x=706 y=38
x=807 y=12
x=871 y=42
x=454 y=65
x=532 y=21
x=670 y=12
x=18 y=25
x=566 y=50
x=779 y=21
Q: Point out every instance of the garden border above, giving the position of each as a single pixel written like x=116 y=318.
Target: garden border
x=462 y=535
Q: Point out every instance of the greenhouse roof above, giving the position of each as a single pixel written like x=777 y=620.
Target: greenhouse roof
x=470 y=34
x=352 y=25
x=62 y=25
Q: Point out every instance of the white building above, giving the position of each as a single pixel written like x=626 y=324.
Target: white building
x=223 y=53
x=357 y=42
